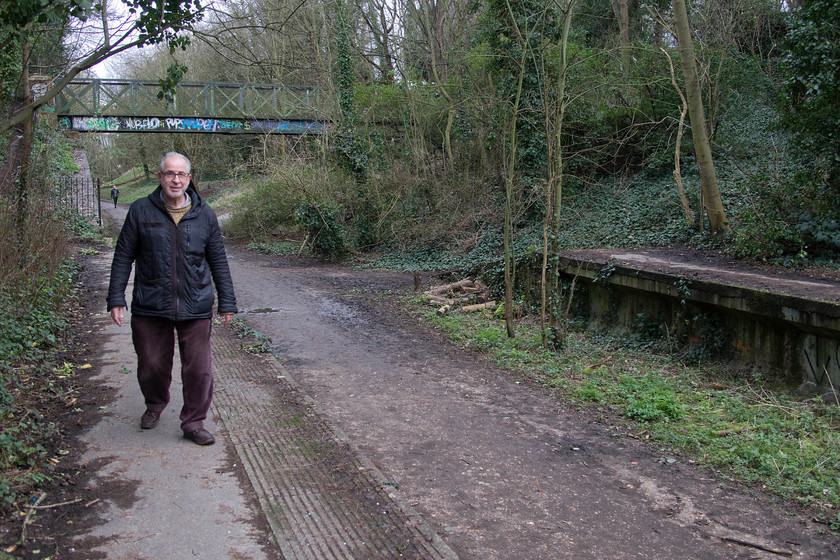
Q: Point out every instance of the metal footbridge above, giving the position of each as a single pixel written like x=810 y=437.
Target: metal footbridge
x=98 y=105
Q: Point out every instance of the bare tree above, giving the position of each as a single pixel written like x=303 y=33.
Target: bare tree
x=149 y=23
x=702 y=146
x=622 y=15
x=551 y=287
x=380 y=18
x=269 y=41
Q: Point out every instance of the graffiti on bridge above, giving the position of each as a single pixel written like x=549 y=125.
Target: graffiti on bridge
x=178 y=124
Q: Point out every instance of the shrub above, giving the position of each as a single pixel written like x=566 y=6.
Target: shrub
x=29 y=333
x=325 y=234
x=267 y=205
x=811 y=66
x=32 y=248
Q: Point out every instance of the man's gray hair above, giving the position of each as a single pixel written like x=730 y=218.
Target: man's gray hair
x=176 y=154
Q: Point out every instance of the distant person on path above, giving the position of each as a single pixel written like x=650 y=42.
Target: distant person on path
x=174 y=239
x=115 y=194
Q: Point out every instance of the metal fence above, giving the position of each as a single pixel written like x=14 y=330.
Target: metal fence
x=76 y=195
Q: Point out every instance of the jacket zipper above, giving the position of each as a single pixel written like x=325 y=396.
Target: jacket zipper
x=177 y=272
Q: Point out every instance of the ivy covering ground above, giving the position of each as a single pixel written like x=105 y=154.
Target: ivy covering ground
x=32 y=378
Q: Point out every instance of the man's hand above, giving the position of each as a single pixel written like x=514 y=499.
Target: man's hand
x=227 y=318
x=117 y=314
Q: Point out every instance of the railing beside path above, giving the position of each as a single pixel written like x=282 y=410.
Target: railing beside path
x=75 y=195
x=78 y=194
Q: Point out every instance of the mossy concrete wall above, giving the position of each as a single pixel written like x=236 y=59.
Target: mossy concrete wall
x=756 y=330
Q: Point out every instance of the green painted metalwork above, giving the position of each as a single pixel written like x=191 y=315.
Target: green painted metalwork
x=190 y=125
x=139 y=98
x=228 y=108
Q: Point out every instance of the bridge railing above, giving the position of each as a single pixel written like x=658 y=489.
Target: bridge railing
x=139 y=98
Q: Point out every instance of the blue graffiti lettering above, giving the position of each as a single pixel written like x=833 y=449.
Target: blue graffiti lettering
x=229 y=125
x=190 y=124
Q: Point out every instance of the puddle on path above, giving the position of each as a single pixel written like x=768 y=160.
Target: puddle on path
x=338 y=311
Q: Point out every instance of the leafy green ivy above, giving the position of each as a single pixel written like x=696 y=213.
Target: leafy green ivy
x=323 y=230
x=811 y=65
x=348 y=145
x=29 y=336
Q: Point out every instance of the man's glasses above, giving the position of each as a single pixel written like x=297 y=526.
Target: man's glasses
x=171 y=175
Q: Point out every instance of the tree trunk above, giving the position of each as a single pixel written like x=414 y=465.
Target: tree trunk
x=479 y=306
x=702 y=148
x=509 y=183
x=551 y=315
x=432 y=37
x=388 y=67
x=22 y=155
x=677 y=172
x=622 y=15
x=447 y=136
x=146 y=172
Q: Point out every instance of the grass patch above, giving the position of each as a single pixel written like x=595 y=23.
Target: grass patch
x=129 y=192
x=755 y=434
x=280 y=248
x=217 y=193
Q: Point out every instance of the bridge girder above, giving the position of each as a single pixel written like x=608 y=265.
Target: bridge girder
x=97 y=105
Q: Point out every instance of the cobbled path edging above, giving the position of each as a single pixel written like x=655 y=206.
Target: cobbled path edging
x=322 y=498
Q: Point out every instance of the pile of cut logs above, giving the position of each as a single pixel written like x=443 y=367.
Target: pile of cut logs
x=468 y=291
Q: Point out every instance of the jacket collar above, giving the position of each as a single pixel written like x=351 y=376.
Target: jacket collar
x=196 y=200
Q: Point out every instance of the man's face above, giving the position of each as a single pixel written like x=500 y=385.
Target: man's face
x=174 y=179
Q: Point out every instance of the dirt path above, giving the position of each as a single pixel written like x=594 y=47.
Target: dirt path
x=498 y=468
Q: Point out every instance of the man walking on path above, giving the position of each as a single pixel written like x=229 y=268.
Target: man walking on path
x=174 y=239
x=115 y=194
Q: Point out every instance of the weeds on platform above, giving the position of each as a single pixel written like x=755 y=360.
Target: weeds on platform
x=742 y=428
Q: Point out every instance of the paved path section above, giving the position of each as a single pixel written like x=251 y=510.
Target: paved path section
x=167 y=498
x=281 y=482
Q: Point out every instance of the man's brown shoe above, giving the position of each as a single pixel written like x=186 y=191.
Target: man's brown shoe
x=200 y=436
x=149 y=420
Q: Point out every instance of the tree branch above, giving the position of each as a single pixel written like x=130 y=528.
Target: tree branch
x=108 y=49
x=95 y=58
